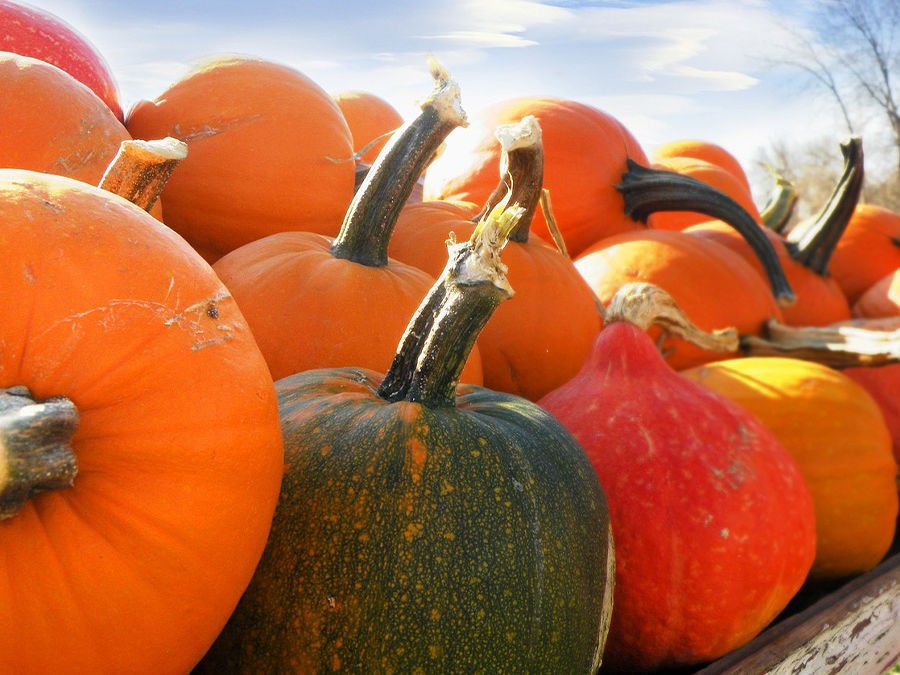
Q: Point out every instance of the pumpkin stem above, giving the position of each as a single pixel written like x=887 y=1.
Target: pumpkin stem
x=140 y=169
x=35 y=454
x=645 y=305
x=848 y=344
x=778 y=209
x=369 y=222
x=521 y=172
x=812 y=243
x=441 y=334
x=647 y=190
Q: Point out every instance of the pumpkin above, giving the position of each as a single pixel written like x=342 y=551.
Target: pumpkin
x=712 y=520
x=31 y=31
x=710 y=283
x=805 y=252
x=837 y=434
x=712 y=175
x=268 y=150
x=424 y=526
x=371 y=120
x=585 y=153
x=53 y=123
x=882 y=383
x=540 y=338
x=881 y=299
x=112 y=323
x=704 y=150
x=867 y=251
x=318 y=302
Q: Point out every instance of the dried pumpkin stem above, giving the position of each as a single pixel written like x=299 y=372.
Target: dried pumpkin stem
x=443 y=331
x=812 y=243
x=647 y=190
x=645 y=305
x=369 y=222
x=140 y=169
x=35 y=453
x=843 y=345
x=521 y=173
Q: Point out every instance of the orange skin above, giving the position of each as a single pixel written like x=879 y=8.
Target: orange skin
x=712 y=175
x=867 y=250
x=836 y=433
x=819 y=299
x=714 y=286
x=881 y=299
x=137 y=566
x=263 y=140
x=53 y=123
x=537 y=339
x=703 y=150
x=309 y=309
x=585 y=151
x=369 y=117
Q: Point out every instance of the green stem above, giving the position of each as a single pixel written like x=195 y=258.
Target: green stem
x=369 y=222
x=778 y=209
x=521 y=173
x=812 y=244
x=440 y=337
x=35 y=450
x=648 y=190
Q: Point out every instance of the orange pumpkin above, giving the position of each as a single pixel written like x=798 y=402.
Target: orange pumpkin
x=712 y=175
x=319 y=302
x=714 y=286
x=268 y=151
x=837 y=434
x=696 y=148
x=585 y=154
x=53 y=123
x=371 y=119
x=541 y=336
x=136 y=563
x=881 y=299
x=868 y=249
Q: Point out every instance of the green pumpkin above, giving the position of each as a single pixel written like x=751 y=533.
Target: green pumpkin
x=425 y=527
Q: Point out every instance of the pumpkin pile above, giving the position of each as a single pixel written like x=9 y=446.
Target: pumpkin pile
x=283 y=388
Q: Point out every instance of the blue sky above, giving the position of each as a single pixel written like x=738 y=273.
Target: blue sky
x=668 y=69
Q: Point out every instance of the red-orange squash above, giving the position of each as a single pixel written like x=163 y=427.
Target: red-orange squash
x=585 y=154
x=712 y=520
x=135 y=564
x=268 y=151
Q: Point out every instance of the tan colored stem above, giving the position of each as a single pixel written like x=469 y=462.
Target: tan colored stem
x=843 y=345
x=35 y=454
x=646 y=305
x=140 y=169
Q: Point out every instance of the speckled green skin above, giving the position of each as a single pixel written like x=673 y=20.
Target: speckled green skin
x=409 y=539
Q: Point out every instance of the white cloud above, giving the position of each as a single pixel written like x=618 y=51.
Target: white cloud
x=482 y=39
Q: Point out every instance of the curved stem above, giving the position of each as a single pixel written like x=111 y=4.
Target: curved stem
x=521 y=173
x=369 y=222
x=140 y=169
x=444 y=329
x=647 y=190
x=35 y=454
x=812 y=244
x=646 y=305
x=778 y=209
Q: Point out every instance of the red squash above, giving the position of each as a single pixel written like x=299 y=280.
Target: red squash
x=712 y=520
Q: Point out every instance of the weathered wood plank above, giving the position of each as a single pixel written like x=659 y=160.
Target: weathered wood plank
x=855 y=630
